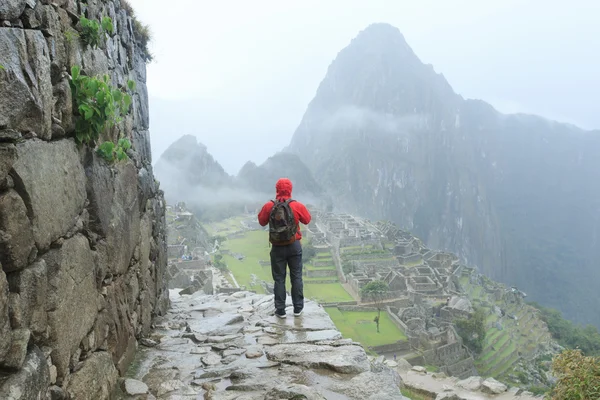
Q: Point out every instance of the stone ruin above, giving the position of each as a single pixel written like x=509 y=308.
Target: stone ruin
x=417 y=278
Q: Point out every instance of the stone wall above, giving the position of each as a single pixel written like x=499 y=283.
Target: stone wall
x=82 y=241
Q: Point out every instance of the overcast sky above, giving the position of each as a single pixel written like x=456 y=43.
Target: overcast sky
x=239 y=74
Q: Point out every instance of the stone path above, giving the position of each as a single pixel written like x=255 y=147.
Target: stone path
x=227 y=347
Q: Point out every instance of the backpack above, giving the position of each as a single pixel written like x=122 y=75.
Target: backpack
x=282 y=225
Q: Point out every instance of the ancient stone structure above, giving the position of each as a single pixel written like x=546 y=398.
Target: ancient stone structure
x=82 y=240
x=425 y=294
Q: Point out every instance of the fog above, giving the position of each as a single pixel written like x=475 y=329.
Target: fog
x=362 y=118
x=214 y=195
x=239 y=74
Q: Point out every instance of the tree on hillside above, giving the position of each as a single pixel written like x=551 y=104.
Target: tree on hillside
x=578 y=376
x=568 y=334
x=472 y=330
x=219 y=263
x=375 y=291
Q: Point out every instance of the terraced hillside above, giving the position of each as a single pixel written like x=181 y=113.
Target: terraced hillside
x=514 y=331
x=418 y=315
x=246 y=253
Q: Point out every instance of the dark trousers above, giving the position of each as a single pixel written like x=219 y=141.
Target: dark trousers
x=282 y=256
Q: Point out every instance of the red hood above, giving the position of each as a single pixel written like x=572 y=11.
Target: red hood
x=284 y=188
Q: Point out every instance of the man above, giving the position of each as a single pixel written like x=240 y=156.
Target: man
x=283 y=216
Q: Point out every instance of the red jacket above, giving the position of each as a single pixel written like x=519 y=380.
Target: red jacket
x=284 y=192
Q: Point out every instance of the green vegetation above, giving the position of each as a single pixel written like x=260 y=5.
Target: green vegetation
x=432 y=368
x=143 y=35
x=99 y=104
x=413 y=395
x=91 y=30
x=226 y=226
x=472 y=330
x=110 y=152
x=71 y=34
x=326 y=292
x=357 y=326
x=140 y=31
x=219 y=263
x=255 y=247
x=578 y=376
x=568 y=334
x=375 y=292
x=107 y=25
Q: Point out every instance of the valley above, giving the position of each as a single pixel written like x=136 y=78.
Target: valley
x=429 y=291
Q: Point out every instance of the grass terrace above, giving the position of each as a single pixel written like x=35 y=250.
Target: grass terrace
x=227 y=226
x=326 y=292
x=255 y=247
x=359 y=326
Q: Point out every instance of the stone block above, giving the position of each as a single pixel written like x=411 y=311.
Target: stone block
x=53 y=181
x=71 y=284
x=25 y=85
x=97 y=379
x=141 y=114
x=114 y=206
x=492 y=386
x=12 y=9
x=5 y=333
x=95 y=62
x=32 y=286
x=31 y=382
x=16 y=233
x=120 y=331
x=8 y=156
x=18 y=350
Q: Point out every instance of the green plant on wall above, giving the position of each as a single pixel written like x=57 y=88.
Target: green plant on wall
x=107 y=25
x=111 y=152
x=100 y=106
x=91 y=30
x=71 y=34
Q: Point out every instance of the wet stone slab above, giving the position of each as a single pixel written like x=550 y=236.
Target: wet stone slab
x=232 y=347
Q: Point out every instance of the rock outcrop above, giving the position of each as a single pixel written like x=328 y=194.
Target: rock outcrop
x=82 y=240
x=233 y=347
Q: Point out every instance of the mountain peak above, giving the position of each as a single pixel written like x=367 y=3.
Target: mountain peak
x=379 y=83
x=382 y=37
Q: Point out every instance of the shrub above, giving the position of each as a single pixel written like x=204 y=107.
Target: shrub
x=91 y=30
x=111 y=152
x=99 y=104
x=143 y=36
x=472 y=330
x=578 y=376
x=128 y=8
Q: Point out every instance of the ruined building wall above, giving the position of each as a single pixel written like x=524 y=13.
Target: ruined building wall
x=82 y=240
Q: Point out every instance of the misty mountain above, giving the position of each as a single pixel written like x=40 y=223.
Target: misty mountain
x=188 y=172
x=515 y=195
x=262 y=178
x=187 y=164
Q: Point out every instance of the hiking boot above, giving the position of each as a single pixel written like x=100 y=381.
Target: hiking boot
x=280 y=313
x=297 y=312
